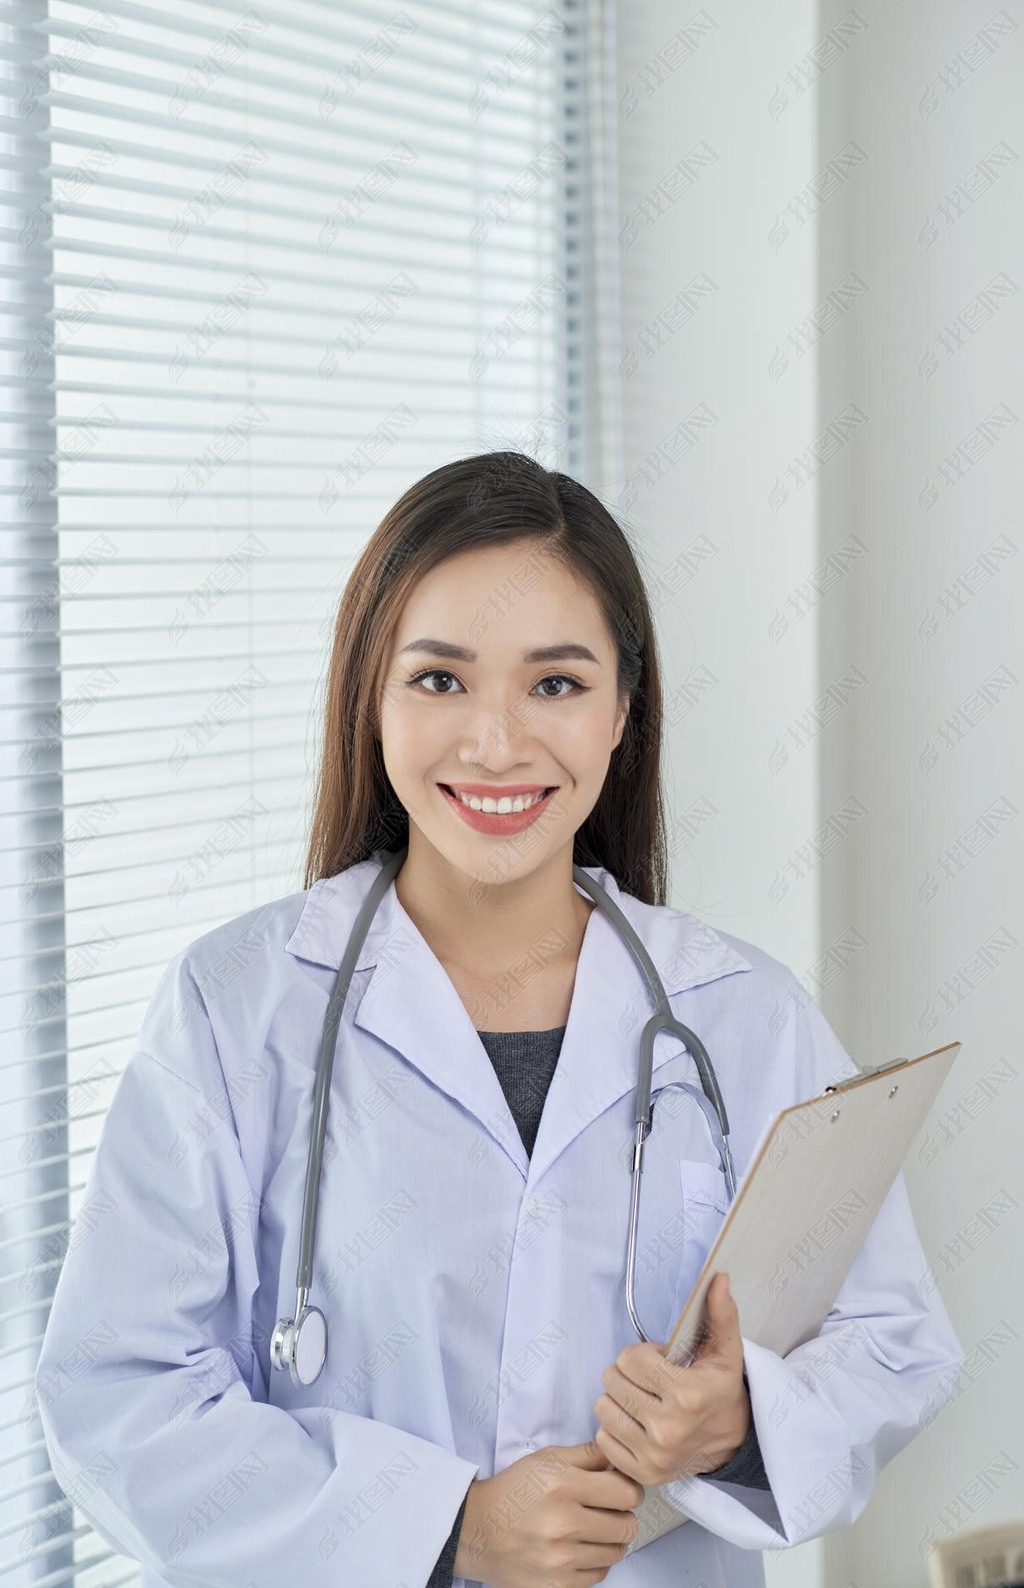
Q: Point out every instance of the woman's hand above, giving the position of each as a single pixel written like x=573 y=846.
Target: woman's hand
x=557 y=1516
x=660 y=1421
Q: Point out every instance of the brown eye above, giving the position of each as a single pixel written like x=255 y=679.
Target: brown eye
x=435 y=672
x=562 y=678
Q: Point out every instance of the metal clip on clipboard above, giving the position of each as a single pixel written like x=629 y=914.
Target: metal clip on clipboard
x=864 y=1075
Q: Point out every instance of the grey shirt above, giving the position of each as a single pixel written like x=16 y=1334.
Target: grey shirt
x=524 y=1062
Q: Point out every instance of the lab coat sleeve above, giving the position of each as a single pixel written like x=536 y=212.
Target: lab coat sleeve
x=145 y=1375
x=834 y=1411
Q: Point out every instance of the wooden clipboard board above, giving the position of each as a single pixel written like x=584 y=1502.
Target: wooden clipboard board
x=812 y=1190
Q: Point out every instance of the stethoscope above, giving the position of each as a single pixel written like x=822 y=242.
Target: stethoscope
x=300 y=1343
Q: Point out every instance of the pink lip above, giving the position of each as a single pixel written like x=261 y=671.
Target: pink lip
x=488 y=822
x=486 y=791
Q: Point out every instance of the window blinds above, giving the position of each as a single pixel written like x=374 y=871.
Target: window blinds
x=260 y=268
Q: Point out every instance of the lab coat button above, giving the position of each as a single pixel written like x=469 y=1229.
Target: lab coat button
x=525 y=1450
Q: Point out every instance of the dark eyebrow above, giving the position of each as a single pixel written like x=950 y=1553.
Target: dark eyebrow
x=545 y=653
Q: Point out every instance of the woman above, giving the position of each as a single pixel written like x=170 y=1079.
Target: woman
x=485 y=1408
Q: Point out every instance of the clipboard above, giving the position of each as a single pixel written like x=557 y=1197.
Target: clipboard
x=814 y=1186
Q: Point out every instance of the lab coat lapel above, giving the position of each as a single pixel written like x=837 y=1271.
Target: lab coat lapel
x=411 y=1004
x=611 y=1004
x=409 y=1001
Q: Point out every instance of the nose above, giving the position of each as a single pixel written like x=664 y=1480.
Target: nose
x=499 y=731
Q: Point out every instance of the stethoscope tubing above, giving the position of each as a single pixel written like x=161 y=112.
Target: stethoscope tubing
x=286 y=1342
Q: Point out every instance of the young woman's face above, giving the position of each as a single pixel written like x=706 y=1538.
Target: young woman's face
x=491 y=716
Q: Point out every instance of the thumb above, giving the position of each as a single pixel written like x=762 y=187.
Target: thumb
x=588 y=1455
x=722 y=1327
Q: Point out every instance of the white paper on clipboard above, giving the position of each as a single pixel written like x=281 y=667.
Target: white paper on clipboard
x=815 y=1183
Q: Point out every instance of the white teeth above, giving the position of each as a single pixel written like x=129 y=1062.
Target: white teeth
x=500 y=807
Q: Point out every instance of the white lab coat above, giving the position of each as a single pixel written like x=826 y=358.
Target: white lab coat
x=473 y=1296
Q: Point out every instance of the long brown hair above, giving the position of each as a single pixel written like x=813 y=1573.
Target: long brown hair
x=483 y=501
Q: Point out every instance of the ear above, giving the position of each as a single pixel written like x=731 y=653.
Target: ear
x=621 y=720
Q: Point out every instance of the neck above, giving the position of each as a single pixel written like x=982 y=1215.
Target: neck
x=488 y=928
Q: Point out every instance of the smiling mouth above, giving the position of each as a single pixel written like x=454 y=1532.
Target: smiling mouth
x=497 y=805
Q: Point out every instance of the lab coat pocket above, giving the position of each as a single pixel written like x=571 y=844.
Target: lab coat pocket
x=705 y=1202
x=703 y=1182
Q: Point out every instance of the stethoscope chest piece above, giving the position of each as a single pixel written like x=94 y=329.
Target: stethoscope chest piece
x=299 y=1343
x=301 y=1347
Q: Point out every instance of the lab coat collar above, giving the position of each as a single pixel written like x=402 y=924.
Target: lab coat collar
x=411 y=1003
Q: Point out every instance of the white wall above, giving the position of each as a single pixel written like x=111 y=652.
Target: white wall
x=903 y=789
